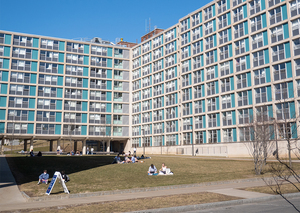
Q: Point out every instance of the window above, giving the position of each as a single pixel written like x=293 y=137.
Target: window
x=209 y=27
x=263 y=113
x=75 y=47
x=223 y=37
x=156 y=54
x=19 y=90
x=223 y=21
x=255 y=7
x=20 y=77
x=170 y=73
x=295 y=8
x=171 y=99
x=296 y=27
x=210 y=57
x=261 y=95
x=212 y=136
x=195 y=19
x=285 y=130
x=225 y=85
x=171 y=126
x=23 y=41
x=242 y=98
x=244 y=116
x=146 y=58
x=275 y=15
x=256 y=23
x=241 y=63
x=257 y=41
x=227 y=135
x=283 y=111
x=212 y=120
x=281 y=92
x=273 y=2
x=198 y=106
x=222 y=6
x=199 y=122
x=258 y=58
x=199 y=137
x=184 y=25
x=226 y=101
x=186 y=109
x=97 y=50
x=196 y=47
x=17 y=115
x=197 y=61
x=157 y=41
x=211 y=88
x=297 y=67
x=225 y=68
x=185 y=80
x=48 y=56
x=208 y=13
x=186 y=122
x=238 y=14
x=277 y=34
x=211 y=104
x=278 y=52
x=209 y=42
x=170 y=140
x=197 y=76
x=241 y=81
x=170 y=35
x=49 y=68
x=171 y=113
x=224 y=52
x=296 y=43
x=185 y=66
x=184 y=38
x=21 y=65
x=78 y=59
x=146 y=47
x=227 y=118
x=239 y=30
x=197 y=33
x=279 y=72
x=260 y=76
x=186 y=94
x=244 y=133
x=45 y=79
x=46 y=104
x=19 y=102
x=169 y=61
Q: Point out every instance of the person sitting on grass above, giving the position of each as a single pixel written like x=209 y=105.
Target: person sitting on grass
x=43 y=178
x=135 y=160
x=127 y=160
x=64 y=176
x=31 y=153
x=117 y=159
x=163 y=169
x=152 y=170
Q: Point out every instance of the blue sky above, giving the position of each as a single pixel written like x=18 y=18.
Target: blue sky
x=107 y=19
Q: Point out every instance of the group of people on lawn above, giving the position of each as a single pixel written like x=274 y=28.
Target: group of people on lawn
x=127 y=159
x=163 y=171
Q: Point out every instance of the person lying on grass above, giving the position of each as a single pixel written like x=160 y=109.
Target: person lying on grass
x=135 y=160
x=152 y=170
x=43 y=177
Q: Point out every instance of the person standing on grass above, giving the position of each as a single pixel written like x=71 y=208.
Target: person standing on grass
x=134 y=151
x=43 y=178
x=92 y=151
x=87 y=150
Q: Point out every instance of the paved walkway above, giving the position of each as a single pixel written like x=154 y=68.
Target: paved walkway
x=12 y=199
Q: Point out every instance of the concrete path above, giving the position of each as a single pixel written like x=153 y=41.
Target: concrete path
x=12 y=199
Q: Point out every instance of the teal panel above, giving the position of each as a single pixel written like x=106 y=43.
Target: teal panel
x=247 y=44
x=60 y=69
x=190 y=79
x=191 y=108
x=204 y=136
x=34 y=54
x=231 y=79
x=109 y=62
x=84 y=94
x=3 y=88
x=215 y=39
x=228 y=19
x=249 y=79
x=250 y=97
x=85 y=83
x=189 y=37
x=191 y=136
x=216 y=71
x=266 y=54
x=217 y=87
x=234 y=134
x=289 y=71
x=31 y=116
x=233 y=118
x=2 y=114
x=218 y=136
x=201 y=35
x=248 y=61
x=231 y=66
x=83 y=130
x=85 y=60
x=263 y=4
x=200 y=15
x=61 y=57
x=60 y=80
x=83 y=118
x=202 y=90
x=108 y=96
x=284 y=12
x=109 y=51
x=7 y=39
x=109 y=74
x=227 y=4
x=246 y=27
x=264 y=20
x=215 y=55
x=218 y=119
x=59 y=104
x=32 y=90
x=286 y=30
x=59 y=93
x=62 y=45
x=108 y=107
x=268 y=75
x=108 y=85
x=32 y=103
x=232 y=100
x=270 y=111
x=4 y=76
x=34 y=66
x=176 y=139
x=217 y=103
x=5 y=63
x=84 y=106
x=86 y=49
x=58 y=117
x=2 y=127
x=150 y=137
x=230 y=50
x=33 y=78
x=176 y=112
x=294 y=130
x=162 y=101
x=189 y=47
x=176 y=126
x=7 y=51
x=265 y=37
x=35 y=42
x=85 y=71
x=245 y=11
x=3 y=101
x=229 y=34
x=190 y=65
x=29 y=128
x=214 y=25
x=108 y=132
x=291 y=89
x=287 y=50
x=292 y=110
x=213 y=10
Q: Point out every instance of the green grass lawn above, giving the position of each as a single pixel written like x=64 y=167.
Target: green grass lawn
x=96 y=173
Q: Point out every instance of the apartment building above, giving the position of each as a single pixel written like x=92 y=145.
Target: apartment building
x=192 y=88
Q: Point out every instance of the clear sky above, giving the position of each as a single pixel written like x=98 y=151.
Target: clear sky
x=107 y=19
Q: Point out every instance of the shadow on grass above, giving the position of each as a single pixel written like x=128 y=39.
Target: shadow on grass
x=27 y=169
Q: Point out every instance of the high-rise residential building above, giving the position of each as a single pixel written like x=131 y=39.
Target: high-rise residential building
x=193 y=87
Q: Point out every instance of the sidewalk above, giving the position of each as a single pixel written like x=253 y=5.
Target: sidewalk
x=12 y=199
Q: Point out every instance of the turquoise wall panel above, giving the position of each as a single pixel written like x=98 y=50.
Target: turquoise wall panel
x=62 y=45
x=292 y=110
x=108 y=96
x=228 y=19
x=84 y=94
x=85 y=83
x=247 y=44
x=109 y=74
x=245 y=11
x=7 y=51
x=233 y=118
x=84 y=106
x=214 y=25
x=294 y=130
x=59 y=104
x=5 y=63
x=33 y=78
x=232 y=100
x=4 y=76
x=32 y=103
x=291 y=89
x=109 y=51
x=83 y=118
x=2 y=114
x=265 y=37
x=284 y=12
x=289 y=71
x=216 y=71
x=35 y=42
x=246 y=27
x=109 y=62
x=83 y=130
x=32 y=90
x=234 y=134
x=31 y=116
x=85 y=60
x=263 y=4
x=57 y=129
x=61 y=57
x=59 y=93
x=7 y=39
x=218 y=119
x=266 y=54
x=249 y=79
x=264 y=20
x=229 y=34
x=34 y=66
x=227 y=4
x=217 y=87
x=3 y=88
x=58 y=117
x=215 y=40
x=3 y=101
x=60 y=69
x=2 y=127
x=213 y=10
x=268 y=75
x=85 y=71
x=29 y=128
x=218 y=136
x=202 y=90
x=108 y=107
x=86 y=49
x=250 y=97
x=286 y=30
x=270 y=111
x=215 y=55
x=60 y=80
x=231 y=66
x=231 y=79
x=217 y=103
x=34 y=54
x=287 y=50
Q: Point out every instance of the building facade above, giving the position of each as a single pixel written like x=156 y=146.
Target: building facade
x=194 y=86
